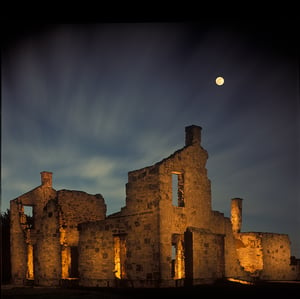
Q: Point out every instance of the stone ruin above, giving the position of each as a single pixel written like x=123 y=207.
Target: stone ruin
x=167 y=234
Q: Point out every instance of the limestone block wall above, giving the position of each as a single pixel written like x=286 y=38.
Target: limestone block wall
x=167 y=234
x=142 y=249
x=142 y=190
x=208 y=262
x=277 y=257
x=218 y=222
x=99 y=264
x=151 y=188
x=250 y=252
x=96 y=254
x=77 y=207
x=190 y=164
x=152 y=185
x=266 y=255
x=37 y=199
x=222 y=225
x=23 y=235
x=172 y=221
x=17 y=244
x=194 y=207
x=47 y=251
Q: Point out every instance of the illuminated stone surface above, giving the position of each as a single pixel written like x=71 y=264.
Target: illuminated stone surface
x=166 y=235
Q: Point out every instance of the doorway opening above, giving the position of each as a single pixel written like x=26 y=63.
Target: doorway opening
x=30 y=269
x=69 y=256
x=178 y=258
x=120 y=256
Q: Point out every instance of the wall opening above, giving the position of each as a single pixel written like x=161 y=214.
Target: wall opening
x=178 y=259
x=173 y=260
x=30 y=271
x=28 y=212
x=73 y=270
x=65 y=261
x=188 y=258
x=177 y=189
x=119 y=256
x=69 y=258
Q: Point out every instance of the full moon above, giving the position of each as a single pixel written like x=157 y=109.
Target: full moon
x=220 y=81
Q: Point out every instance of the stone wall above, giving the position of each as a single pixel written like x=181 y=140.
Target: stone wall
x=222 y=225
x=47 y=250
x=167 y=234
x=142 y=190
x=77 y=207
x=190 y=163
x=250 y=252
x=17 y=244
x=23 y=233
x=42 y=250
x=98 y=249
x=208 y=256
x=154 y=228
x=277 y=257
x=266 y=256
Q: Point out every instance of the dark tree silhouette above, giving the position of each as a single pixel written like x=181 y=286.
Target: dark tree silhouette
x=5 y=247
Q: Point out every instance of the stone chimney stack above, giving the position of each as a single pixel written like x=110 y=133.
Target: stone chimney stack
x=236 y=214
x=46 y=178
x=192 y=135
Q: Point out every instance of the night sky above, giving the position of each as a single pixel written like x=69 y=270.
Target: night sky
x=91 y=102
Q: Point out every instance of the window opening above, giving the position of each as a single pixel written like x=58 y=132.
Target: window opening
x=177 y=189
x=28 y=211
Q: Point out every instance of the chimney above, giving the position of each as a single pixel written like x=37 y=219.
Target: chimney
x=46 y=178
x=236 y=214
x=192 y=135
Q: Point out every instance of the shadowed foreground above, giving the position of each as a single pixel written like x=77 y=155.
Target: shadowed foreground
x=289 y=290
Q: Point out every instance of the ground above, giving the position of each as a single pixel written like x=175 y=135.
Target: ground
x=234 y=290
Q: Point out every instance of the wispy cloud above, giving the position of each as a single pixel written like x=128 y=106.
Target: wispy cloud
x=91 y=103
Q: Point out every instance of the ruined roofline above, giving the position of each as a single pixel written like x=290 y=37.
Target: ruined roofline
x=114 y=216
x=192 y=138
x=28 y=192
x=98 y=195
x=120 y=215
x=46 y=181
x=81 y=192
x=157 y=163
x=264 y=233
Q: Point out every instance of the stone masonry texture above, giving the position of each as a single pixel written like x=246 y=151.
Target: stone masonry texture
x=166 y=235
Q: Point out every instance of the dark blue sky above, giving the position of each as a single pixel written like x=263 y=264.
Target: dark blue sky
x=91 y=102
